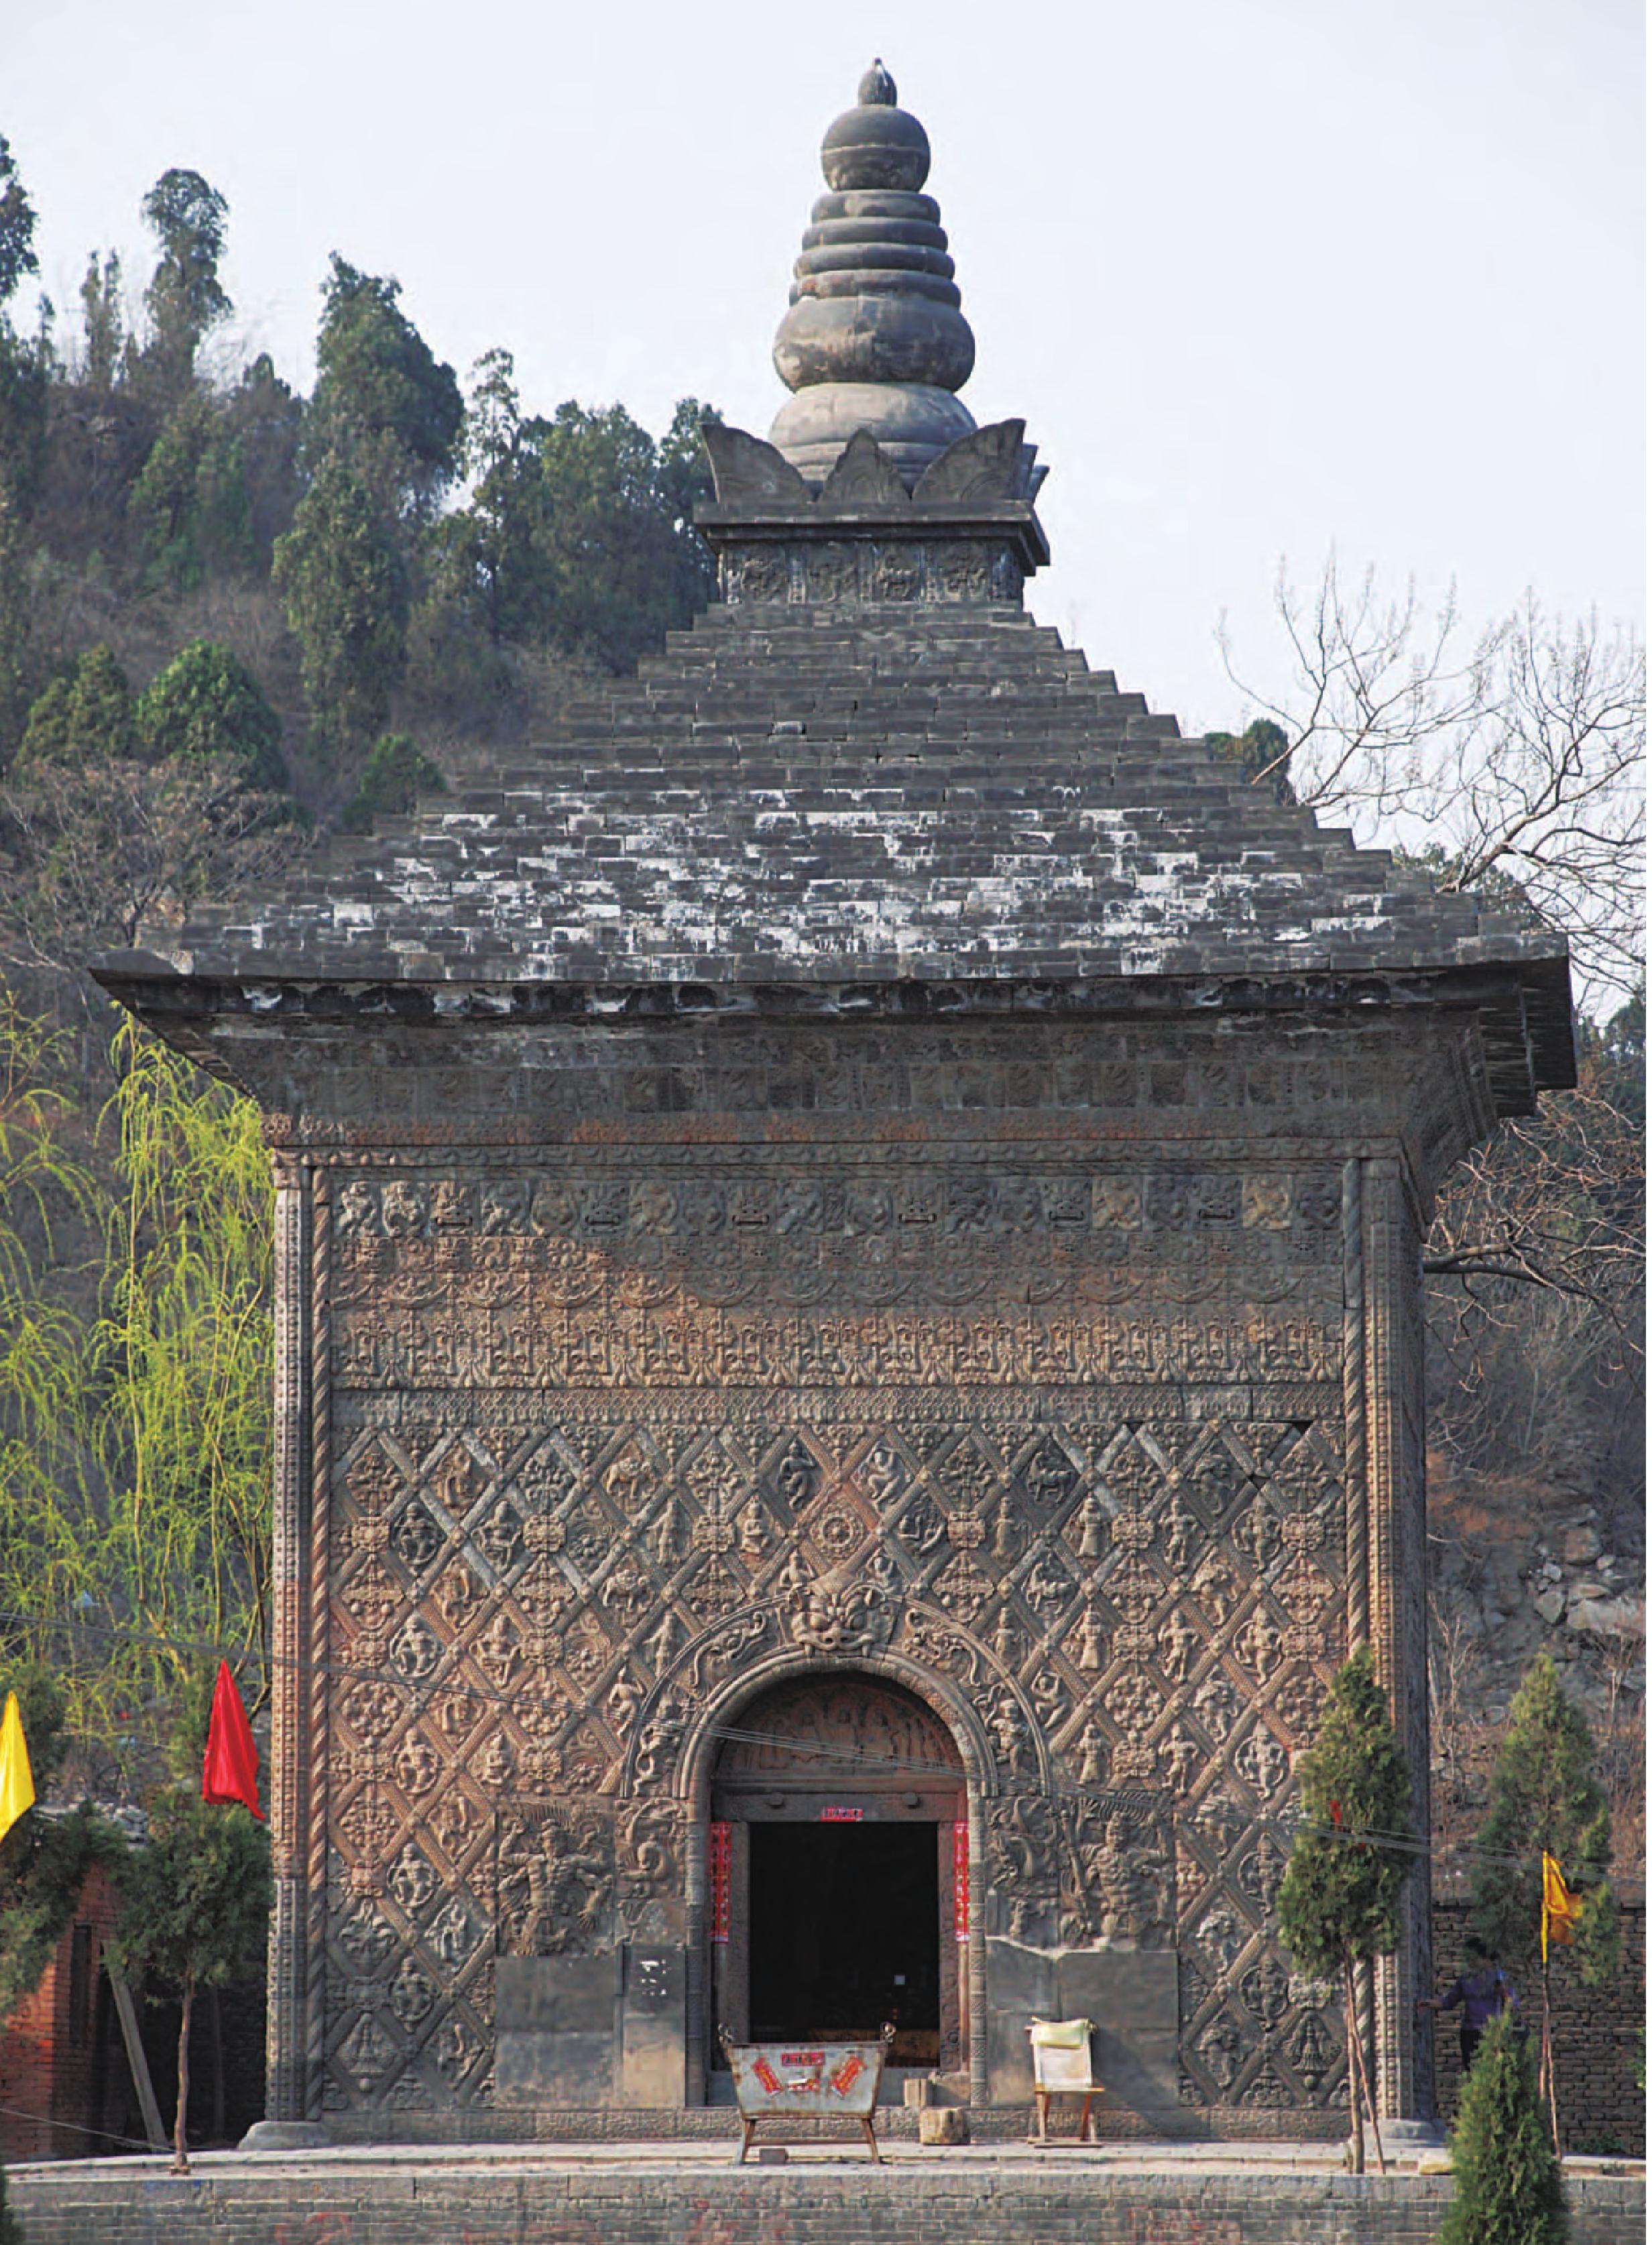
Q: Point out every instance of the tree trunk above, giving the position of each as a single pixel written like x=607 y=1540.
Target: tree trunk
x=215 y=2012
x=1546 y=2065
x=1355 y=2071
x=1365 y=2083
x=181 y=2147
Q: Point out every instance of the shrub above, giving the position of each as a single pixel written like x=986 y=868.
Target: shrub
x=395 y=773
x=206 y=704
x=1509 y=2178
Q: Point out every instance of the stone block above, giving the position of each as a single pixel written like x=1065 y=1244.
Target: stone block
x=1130 y=1996
x=653 y=2026
x=557 y=2029
x=1020 y=1981
x=942 y=2124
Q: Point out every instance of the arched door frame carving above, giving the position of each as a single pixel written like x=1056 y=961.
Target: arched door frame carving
x=697 y=1760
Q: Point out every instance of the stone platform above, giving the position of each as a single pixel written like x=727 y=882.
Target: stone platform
x=682 y=2194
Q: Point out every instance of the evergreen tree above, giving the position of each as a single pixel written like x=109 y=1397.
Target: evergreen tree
x=19 y=258
x=1339 y=1900
x=194 y=1900
x=579 y=535
x=207 y=706
x=24 y=362
x=85 y=718
x=1263 y=749
x=395 y=774
x=103 y=319
x=344 y=581
x=189 y=507
x=1508 y=2176
x=1544 y=1794
x=264 y=421
x=185 y=299
x=382 y=396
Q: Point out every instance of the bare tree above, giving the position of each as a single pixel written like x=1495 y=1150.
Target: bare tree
x=94 y=852
x=1511 y=762
x=1556 y=1200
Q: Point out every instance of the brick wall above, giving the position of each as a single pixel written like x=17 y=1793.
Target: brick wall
x=55 y=2049
x=656 y=2203
x=1596 y=2034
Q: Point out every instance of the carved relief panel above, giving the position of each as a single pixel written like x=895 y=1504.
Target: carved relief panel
x=602 y=1437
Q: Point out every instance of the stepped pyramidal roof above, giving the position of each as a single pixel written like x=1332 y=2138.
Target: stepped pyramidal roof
x=866 y=777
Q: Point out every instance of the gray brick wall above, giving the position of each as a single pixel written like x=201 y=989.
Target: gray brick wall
x=661 y=2204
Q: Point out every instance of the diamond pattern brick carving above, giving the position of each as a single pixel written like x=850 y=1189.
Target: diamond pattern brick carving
x=1122 y=1595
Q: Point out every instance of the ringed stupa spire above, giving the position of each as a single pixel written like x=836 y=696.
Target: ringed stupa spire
x=876 y=337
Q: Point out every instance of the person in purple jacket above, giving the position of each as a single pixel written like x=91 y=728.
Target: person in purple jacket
x=1483 y=1991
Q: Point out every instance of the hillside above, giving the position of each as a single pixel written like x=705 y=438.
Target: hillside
x=233 y=618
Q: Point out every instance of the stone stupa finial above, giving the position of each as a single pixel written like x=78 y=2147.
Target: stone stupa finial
x=877 y=88
x=875 y=338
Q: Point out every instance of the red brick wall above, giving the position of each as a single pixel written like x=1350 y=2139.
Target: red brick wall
x=53 y=2063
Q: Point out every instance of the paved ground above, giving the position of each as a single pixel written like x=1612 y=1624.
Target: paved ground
x=665 y=2158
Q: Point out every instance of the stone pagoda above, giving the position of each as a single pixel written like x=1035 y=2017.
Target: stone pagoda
x=849 y=1355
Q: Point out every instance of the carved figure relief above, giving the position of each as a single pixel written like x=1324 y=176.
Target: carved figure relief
x=578 y=1489
x=555 y=1881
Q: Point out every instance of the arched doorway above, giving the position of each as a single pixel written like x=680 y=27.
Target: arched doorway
x=837 y=1848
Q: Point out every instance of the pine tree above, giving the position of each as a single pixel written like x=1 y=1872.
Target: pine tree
x=344 y=582
x=189 y=219
x=1339 y=1899
x=1508 y=2177
x=206 y=707
x=195 y=1900
x=1544 y=1794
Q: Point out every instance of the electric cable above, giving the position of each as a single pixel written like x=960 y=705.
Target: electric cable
x=1124 y=1800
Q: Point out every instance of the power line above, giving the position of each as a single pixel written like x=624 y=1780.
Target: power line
x=103 y=2135
x=1125 y=1801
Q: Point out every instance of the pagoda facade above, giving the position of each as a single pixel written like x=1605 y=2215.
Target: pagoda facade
x=849 y=1355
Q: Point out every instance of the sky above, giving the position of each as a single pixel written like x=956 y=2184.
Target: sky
x=1264 y=279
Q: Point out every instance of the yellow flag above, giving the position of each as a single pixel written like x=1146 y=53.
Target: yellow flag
x=17 y=1779
x=1562 y=1908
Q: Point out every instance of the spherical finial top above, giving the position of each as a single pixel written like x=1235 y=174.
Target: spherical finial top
x=875 y=145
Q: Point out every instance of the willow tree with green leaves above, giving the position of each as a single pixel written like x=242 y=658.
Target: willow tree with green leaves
x=136 y=1346
x=182 y=1357
x=48 y=1216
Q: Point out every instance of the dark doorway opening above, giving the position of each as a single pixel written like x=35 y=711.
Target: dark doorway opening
x=843 y=1933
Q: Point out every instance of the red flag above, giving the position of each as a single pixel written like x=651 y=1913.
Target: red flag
x=231 y=1770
